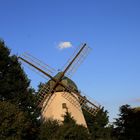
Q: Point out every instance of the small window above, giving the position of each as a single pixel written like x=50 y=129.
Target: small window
x=64 y=105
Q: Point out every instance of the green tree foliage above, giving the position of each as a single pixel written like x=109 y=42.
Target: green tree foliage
x=68 y=119
x=13 y=121
x=98 y=125
x=14 y=90
x=66 y=130
x=48 y=129
x=72 y=131
x=128 y=123
x=14 y=84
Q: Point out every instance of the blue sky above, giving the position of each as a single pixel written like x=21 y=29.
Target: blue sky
x=111 y=72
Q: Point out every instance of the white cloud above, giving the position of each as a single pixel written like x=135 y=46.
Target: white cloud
x=64 y=45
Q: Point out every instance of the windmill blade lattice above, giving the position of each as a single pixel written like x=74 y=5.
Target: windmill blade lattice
x=38 y=63
x=45 y=94
x=35 y=70
x=89 y=104
x=86 y=104
x=77 y=62
x=42 y=92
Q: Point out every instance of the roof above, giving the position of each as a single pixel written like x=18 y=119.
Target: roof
x=65 y=80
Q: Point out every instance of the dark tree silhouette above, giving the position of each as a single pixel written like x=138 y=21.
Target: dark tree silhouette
x=16 y=95
x=66 y=130
x=98 y=125
x=128 y=123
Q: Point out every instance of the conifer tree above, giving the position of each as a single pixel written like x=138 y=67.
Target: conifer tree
x=98 y=125
x=128 y=123
x=16 y=98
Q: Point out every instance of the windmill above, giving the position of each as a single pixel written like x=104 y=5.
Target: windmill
x=61 y=94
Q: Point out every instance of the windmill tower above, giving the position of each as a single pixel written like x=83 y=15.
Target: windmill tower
x=61 y=94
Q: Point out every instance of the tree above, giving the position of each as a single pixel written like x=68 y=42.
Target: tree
x=14 y=84
x=98 y=125
x=15 y=90
x=48 y=129
x=128 y=123
x=66 y=130
x=13 y=121
x=69 y=130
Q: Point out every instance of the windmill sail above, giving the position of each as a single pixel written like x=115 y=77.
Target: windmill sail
x=44 y=95
x=44 y=89
x=35 y=70
x=78 y=61
x=38 y=63
x=86 y=103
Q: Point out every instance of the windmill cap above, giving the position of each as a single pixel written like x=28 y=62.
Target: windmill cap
x=65 y=80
